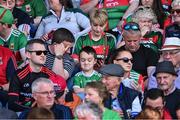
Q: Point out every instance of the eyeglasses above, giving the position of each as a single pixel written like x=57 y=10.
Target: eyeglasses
x=175 y=10
x=39 y=52
x=171 y=53
x=131 y=26
x=125 y=59
x=46 y=93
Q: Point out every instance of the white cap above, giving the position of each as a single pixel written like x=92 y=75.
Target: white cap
x=171 y=43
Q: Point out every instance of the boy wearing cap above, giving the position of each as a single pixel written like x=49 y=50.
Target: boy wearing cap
x=165 y=76
x=123 y=99
x=87 y=59
x=9 y=37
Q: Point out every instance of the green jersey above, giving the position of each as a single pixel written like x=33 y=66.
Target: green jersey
x=103 y=47
x=16 y=41
x=110 y=115
x=153 y=40
x=81 y=79
x=34 y=8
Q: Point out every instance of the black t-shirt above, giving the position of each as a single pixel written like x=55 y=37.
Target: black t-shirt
x=172 y=100
x=172 y=31
x=143 y=58
x=20 y=95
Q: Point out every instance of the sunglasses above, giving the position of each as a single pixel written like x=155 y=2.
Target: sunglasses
x=175 y=10
x=39 y=52
x=131 y=26
x=125 y=59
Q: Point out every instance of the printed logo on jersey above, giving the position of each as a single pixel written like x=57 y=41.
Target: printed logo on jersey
x=28 y=8
x=26 y=85
x=12 y=46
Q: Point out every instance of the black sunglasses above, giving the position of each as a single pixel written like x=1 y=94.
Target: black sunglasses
x=39 y=52
x=131 y=26
x=125 y=59
x=175 y=10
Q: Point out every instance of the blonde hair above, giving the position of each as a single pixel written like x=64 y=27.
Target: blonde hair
x=144 y=12
x=98 y=16
x=175 y=3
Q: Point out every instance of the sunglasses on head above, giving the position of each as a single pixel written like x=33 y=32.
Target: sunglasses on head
x=125 y=59
x=131 y=26
x=175 y=10
x=39 y=52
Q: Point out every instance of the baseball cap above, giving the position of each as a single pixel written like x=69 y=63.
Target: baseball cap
x=59 y=84
x=6 y=16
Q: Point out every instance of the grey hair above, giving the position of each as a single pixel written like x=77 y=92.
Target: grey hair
x=35 y=84
x=87 y=108
x=175 y=3
x=143 y=12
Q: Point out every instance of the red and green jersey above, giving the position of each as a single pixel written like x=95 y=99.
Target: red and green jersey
x=16 y=41
x=102 y=47
x=34 y=8
x=153 y=40
x=115 y=9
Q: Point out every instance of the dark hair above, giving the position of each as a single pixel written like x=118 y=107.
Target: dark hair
x=158 y=10
x=100 y=88
x=62 y=34
x=33 y=41
x=88 y=50
x=153 y=94
x=116 y=52
x=40 y=113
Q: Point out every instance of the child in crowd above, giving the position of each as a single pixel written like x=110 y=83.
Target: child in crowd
x=102 y=42
x=87 y=58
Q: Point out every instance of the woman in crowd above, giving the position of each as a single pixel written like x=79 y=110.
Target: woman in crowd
x=131 y=79
x=163 y=17
x=60 y=17
x=151 y=37
x=96 y=92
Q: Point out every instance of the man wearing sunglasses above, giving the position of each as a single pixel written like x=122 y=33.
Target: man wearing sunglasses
x=174 y=29
x=20 y=96
x=144 y=59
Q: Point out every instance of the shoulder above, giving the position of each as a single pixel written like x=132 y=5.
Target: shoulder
x=17 y=33
x=78 y=74
x=48 y=15
x=109 y=35
x=22 y=72
x=47 y=71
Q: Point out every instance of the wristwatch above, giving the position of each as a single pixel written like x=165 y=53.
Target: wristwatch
x=1 y=88
x=59 y=57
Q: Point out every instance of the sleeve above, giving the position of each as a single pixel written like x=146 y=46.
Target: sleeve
x=22 y=41
x=69 y=65
x=76 y=82
x=39 y=8
x=14 y=91
x=78 y=46
x=136 y=107
x=11 y=68
x=83 y=22
x=40 y=31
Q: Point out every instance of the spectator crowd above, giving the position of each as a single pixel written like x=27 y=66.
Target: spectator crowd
x=90 y=59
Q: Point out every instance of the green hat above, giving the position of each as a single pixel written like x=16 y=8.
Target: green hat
x=6 y=16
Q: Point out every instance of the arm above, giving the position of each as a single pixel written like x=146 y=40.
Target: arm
x=41 y=30
x=89 y=6
x=132 y=7
x=10 y=70
x=58 y=66
x=13 y=100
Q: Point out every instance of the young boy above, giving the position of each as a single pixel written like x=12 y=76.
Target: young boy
x=102 y=42
x=87 y=59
